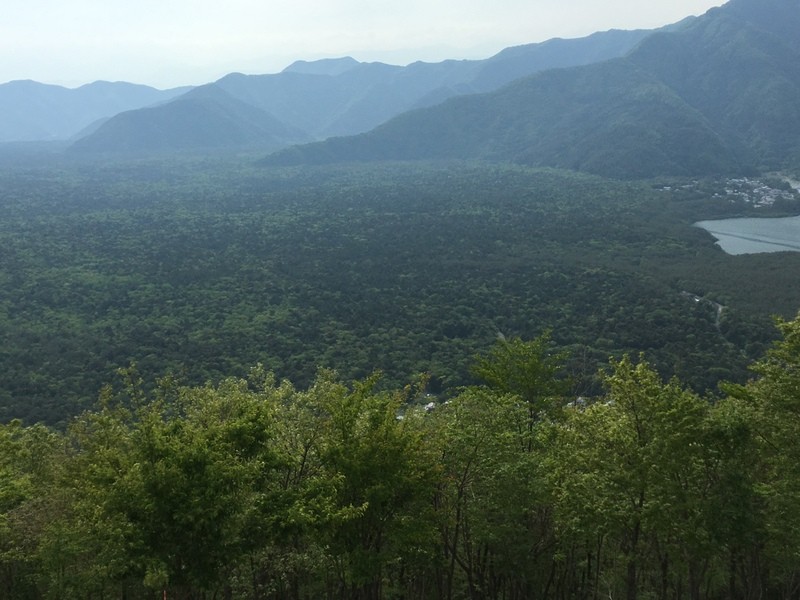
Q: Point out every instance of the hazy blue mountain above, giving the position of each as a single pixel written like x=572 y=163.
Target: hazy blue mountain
x=521 y=61
x=343 y=97
x=31 y=111
x=335 y=97
x=719 y=93
x=205 y=118
x=311 y=102
x=325 y=66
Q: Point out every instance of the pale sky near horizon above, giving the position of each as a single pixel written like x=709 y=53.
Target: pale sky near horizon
x=168 y=43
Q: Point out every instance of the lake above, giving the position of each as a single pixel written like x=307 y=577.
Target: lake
x=755 y=235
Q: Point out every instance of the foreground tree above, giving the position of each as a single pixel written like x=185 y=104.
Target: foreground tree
x=772 y=404
x=163 y=495
x=30 y=460
x=379 y=536
x=530 y=370
x=494 y=517
x=631 y=487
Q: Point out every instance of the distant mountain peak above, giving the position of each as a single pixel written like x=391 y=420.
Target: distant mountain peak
x=326 y=66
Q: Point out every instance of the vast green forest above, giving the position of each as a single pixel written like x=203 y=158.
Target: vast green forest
x=405 y=380
x=203 y=268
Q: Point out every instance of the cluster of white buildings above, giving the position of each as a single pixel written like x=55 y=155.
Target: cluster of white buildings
x=755 y=192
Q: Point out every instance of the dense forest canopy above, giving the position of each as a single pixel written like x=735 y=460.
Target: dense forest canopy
x=512 y=489
x=202 y=268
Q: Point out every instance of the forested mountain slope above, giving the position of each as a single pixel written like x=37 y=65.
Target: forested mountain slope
x=613 y=118
x=721 y=93
x=747 y=81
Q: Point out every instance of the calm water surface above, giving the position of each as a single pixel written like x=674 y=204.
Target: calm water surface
x=754 y=235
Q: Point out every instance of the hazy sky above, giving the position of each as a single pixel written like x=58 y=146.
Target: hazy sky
x=167 y=43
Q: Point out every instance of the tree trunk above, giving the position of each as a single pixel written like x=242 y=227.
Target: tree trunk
x=631 y=588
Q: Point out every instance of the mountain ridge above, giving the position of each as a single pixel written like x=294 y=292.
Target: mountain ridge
x=495 y=126
x=33 y=111
x=718 y=94
x=336 y=97
x=707 y=95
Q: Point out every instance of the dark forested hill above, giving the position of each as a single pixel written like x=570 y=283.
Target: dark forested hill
x=31 y=111
x=720 y=93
